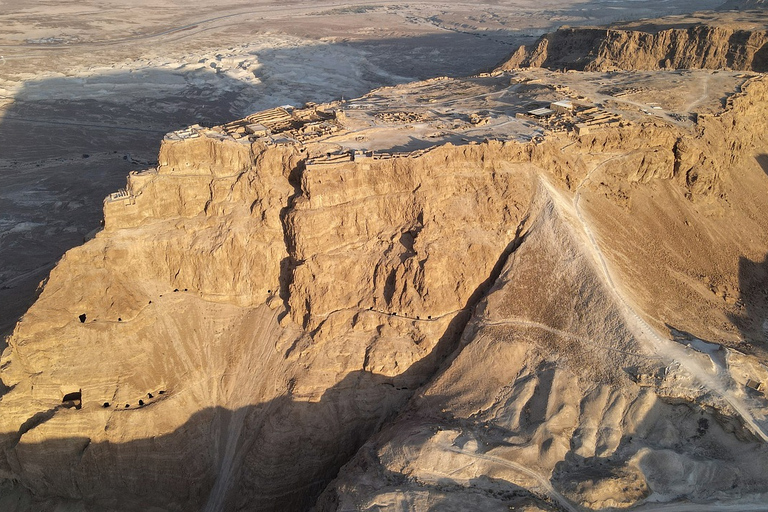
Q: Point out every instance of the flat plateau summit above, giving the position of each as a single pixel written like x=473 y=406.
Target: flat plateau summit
x=540 y=288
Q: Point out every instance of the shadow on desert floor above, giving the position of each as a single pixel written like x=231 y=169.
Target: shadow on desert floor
x=285 y=453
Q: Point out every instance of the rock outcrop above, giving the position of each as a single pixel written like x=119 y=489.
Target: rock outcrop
x=277 y=306
x=608 y=49
x=742 y=5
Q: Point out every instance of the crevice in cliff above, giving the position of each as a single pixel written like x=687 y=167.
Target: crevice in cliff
x=389 y=285
x=14 y=439
x=36 y=420
x=33 y=422
x=467 y=312
x=449 y=344
x=290 y=262
x=4 y=390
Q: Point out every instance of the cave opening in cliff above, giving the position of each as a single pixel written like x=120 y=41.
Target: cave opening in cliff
x=73 y=399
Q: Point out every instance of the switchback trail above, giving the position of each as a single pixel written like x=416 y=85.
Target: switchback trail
x=720 y=382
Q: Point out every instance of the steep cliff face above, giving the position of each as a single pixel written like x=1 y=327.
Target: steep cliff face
x=742 y=4
x=251 y=315
x=276 y=308
x=596 y=49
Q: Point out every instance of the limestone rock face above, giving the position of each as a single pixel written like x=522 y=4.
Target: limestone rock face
x=276 y=317
x=606 y=49
x=496 y=324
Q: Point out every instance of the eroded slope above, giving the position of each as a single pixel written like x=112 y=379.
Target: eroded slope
x=566 y=393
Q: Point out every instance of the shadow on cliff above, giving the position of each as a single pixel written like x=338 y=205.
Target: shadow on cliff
x=277 y=455
x=753 y=286
x=753 y=294
x=762 y=160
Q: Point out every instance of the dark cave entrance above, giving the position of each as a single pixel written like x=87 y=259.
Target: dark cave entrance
x=73 y=399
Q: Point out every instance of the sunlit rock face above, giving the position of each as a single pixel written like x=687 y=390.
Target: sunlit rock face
x=601 y=49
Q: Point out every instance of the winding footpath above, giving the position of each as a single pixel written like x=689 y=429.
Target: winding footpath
x=720 y=382
x=542 y=481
